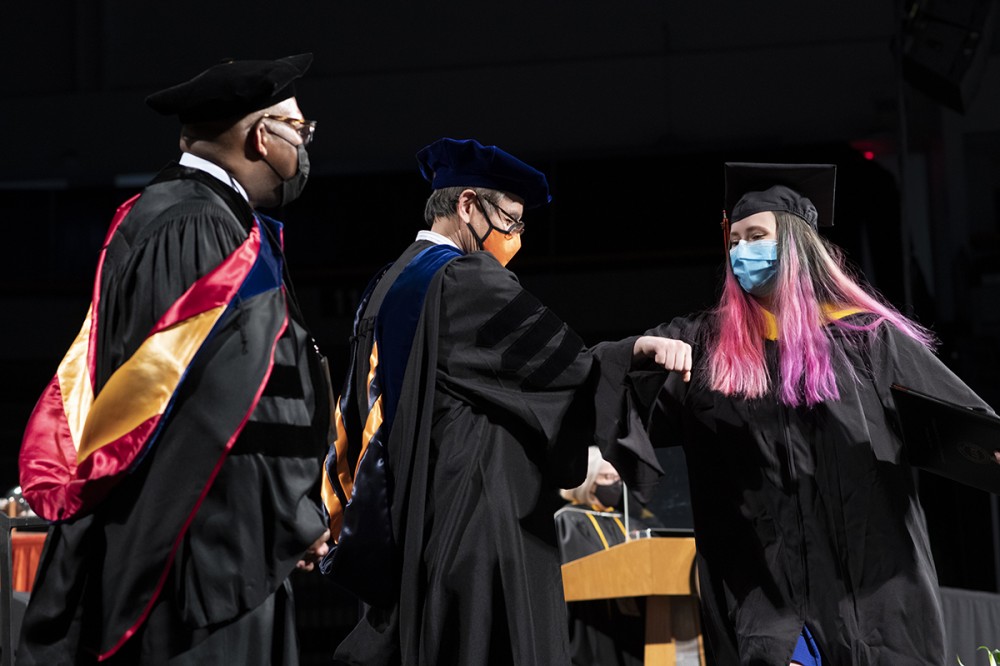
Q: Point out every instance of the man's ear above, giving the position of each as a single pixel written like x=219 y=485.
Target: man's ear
x=468 y=200
x=258 y=140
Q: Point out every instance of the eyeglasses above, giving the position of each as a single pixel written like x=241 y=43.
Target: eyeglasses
x=516 y=225
x=305 y=128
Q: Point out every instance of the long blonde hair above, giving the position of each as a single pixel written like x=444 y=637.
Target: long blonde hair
x=584 y=493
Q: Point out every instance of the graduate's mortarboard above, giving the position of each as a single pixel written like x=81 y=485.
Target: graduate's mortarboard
x=232 y=89
x=468 y=163
x=805 y=190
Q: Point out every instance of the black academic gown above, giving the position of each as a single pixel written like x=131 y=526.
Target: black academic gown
x=807 y=516
x=225 y=596
x=496 y=413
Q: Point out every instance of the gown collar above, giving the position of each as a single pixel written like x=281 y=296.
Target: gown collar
x=831 y=311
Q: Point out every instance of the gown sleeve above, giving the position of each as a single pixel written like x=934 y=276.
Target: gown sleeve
x=648 y=412
x=511 y=357
x=660 y=397
x=899 y=359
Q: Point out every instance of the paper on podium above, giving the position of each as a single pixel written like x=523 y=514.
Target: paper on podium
x=948 y=439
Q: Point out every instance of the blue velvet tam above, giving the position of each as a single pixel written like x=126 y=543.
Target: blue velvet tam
x=468 y=163
x=232 y=89
x=805 y=190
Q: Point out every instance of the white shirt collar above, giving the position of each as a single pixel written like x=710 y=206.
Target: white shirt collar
x=436 y=238
x=200 y=163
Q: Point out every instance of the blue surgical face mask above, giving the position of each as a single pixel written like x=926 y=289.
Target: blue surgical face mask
x=755 y=264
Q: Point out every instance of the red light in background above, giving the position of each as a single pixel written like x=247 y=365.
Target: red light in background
x=874 y=148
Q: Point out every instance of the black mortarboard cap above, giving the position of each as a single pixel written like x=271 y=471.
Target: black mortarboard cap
x=468 y=163
x=232 y=89
x=806 y=190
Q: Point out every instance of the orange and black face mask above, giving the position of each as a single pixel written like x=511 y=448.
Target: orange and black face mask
x=503 y=244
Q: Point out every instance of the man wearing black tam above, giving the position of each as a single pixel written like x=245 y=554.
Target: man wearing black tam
x=178 y=448
x=811 y=540
x=467 y=406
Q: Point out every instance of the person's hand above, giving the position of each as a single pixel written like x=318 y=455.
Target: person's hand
x=314 y=553
x=996 y=456
x=668 y=353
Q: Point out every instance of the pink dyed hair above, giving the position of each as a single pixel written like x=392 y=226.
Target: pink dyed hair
x=811 y=273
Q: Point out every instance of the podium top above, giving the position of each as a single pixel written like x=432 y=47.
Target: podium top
x=639 y=568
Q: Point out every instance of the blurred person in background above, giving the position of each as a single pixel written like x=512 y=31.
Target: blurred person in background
x=604 y=631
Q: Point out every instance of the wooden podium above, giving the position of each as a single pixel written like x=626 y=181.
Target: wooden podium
x=660 y=569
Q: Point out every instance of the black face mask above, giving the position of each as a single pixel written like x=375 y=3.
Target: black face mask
x=609 y=495
x=292 y=187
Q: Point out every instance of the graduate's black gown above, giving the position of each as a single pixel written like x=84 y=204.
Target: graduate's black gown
x=807 y=515
x=496 y=413
x=225 y=598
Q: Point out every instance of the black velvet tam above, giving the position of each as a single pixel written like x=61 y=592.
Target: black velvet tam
x=468 y=163
x=232 y=89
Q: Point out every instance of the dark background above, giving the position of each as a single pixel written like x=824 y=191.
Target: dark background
x=630 y=107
